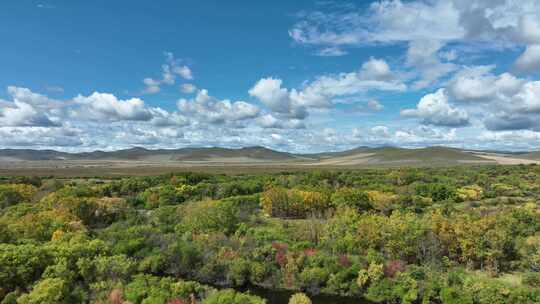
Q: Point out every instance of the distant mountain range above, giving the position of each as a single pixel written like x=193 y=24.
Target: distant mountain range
x=357 y=156
x=142 y=154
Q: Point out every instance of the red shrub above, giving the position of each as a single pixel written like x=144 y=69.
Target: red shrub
x=116 y=296
x=344 y=261
x=281 y=258
x=281 y=254
x=280 y=246
x=229 y=254
x=310 y=252
x=393 y=267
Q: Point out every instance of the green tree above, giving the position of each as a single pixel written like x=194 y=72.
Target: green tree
x=299 y=298
x=21 y=265
x=47 y=291
x=230 y=296
x=351 y=197
x=9 y=197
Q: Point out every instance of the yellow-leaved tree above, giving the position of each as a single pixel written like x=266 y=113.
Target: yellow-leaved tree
x=299 y=298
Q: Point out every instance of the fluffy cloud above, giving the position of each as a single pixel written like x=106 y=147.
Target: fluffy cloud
x=380 y=131
x=376 y=69
x=167 y=75
x=151 y=86
x=527 y=100
x=514 y=103
x=188 y=88
x=374 y=74
x=133 y=135
x=434 y=20
x=36 y=137
x=439 y=20
x=479 y=84
x=206 y=121
x=103 y=121
x=434 y=109
x=270 y=121
x=374 y=105
x=26 y=96
x=511 y=140
x=104 y=106
x=210 y=109
x=529 y=61
x=162 y=118
x=169 y=71
x=383 y=22
x=184 y=72
x=501 y=102
x=330 y=139
x=419 y=136
x=524 y=136
x=427 y=27
x=278 y=99
x=27 y=109
x=32 y=109
x=23 y=114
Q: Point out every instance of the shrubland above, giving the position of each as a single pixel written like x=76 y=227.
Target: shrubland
x=409 y=235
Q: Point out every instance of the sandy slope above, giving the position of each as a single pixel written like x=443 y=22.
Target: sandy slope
x=351 y=160
x=507 y=160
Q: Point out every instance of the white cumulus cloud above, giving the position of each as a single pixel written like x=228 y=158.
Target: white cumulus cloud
x=212 y=110
x=104 y=106
x=434 y=109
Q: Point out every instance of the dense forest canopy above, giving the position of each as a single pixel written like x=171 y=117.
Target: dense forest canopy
x=410 y=235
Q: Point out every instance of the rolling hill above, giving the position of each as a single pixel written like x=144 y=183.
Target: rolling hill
x=531 y=155
x=361 y=156
x=142 y=154
x=398 y=156
x=429 y=154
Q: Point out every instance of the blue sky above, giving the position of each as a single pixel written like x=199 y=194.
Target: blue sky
x=298 y=76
